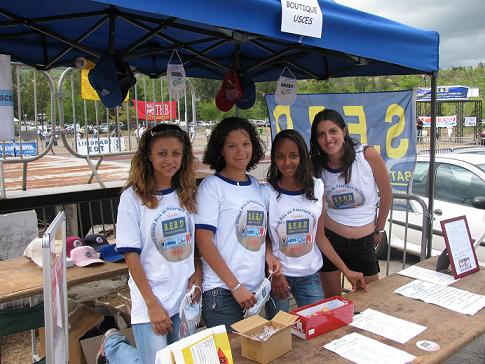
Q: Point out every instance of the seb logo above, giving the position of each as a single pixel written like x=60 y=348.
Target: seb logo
x=254 y=218
x=174 y=226
x=344 y=199
x=299 y=226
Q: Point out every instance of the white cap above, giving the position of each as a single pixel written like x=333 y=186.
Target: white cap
x=34 y=250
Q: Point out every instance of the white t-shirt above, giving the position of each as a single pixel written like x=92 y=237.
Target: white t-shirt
x=353 y=203
x=236 y=214
x=164 y=238
x=292 y=225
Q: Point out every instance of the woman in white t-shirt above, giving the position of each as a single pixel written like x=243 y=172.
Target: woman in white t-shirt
x=155 y=232
x=231 y=224
x=294 y=199
x=358 y=197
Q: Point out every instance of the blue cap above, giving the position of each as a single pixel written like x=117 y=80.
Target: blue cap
x=109 y=253
x=248 y=97
x=111 y=80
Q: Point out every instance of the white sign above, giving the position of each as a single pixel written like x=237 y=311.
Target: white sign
x=303 y=17
x=101 y=146
x=441 y=121
x=6 y=99
x=286 y=90
x=176 y=80
x=470 y=121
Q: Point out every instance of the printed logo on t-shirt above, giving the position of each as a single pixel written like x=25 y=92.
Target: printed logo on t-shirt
x=251 y=225
x=295 y=229
x=172 y=234
x=342 y=196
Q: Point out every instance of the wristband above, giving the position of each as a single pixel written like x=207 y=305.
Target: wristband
x=379 y=232
x=236 y=288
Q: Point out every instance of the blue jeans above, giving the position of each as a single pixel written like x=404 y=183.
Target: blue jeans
x=220 y=308
x=306 y=290
x=118 y=350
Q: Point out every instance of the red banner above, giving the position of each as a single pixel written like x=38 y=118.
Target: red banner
x=156 y=110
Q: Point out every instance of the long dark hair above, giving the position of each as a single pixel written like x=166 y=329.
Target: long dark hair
x=319 y=157
x=141 y=173
x=212 y=153
x=304 y=173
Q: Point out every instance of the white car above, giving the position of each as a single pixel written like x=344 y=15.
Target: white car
x=459 y=190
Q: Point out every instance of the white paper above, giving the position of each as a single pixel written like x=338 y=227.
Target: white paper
x=460 y=245
x=303 y=17
x=205 y=352
x=363 y=350
x=387 y=326
x=448 y=297
x=427 y=275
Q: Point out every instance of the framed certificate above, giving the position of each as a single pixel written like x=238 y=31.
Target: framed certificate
x=460 y=248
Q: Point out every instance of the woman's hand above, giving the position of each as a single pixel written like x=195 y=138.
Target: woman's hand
x=378 y=238
x=274 y=264
x=356 y=279
x=245 y=298
x=159 y=318
x=196 y=279
x=279 y=286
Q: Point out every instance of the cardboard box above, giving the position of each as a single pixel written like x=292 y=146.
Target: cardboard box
x=91 y=346
x=322 y=316
x=265 y=351
x=81 y=319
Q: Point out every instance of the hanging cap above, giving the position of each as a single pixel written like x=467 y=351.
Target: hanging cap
x=248 y=97
x=229 y=93
x=111 y=79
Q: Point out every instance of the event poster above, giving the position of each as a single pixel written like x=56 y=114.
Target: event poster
x=385 y=120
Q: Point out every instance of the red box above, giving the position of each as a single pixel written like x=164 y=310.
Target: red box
x=322 y=316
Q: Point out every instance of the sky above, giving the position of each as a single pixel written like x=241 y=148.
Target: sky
x=461 y=24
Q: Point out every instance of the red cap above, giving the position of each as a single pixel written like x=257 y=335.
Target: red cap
x=71 y=243
x=229 y=93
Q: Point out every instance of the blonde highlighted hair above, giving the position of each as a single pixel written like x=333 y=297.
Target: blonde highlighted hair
x=141 y=173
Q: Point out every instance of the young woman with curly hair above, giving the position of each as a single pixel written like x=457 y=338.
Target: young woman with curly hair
x=231 y=223
x=155 y=232
x=294 y=199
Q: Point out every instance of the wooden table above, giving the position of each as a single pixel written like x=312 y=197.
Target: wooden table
x=20 y=277
x=451 y=330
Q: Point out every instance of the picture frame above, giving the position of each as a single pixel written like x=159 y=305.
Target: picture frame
x=459 y=245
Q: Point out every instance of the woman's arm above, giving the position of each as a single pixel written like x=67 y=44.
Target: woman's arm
x=356 y=279
x=159 y=318
x=383 y=183
x=212 y=256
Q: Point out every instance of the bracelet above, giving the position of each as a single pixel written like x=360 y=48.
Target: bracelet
x=379 y=232
x=236 y=288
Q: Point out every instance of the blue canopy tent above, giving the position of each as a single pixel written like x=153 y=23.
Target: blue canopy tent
x=212 y=36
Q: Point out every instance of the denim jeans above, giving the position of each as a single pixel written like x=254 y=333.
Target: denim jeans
x=118 y=350
x=220 y=308
x=306 y=290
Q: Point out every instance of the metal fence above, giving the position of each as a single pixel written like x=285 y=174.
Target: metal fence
x=113 y=132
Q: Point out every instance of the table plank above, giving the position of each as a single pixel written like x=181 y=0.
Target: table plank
x=451 y=330
x=20 y=277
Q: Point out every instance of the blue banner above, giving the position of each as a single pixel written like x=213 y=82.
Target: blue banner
x=443 y=93
x=13 y=149
x=385 y=120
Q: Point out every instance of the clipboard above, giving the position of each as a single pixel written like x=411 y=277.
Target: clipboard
x=460 y=247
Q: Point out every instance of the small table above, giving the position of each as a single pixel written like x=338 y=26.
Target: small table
x=451 y=330
x=22 y=278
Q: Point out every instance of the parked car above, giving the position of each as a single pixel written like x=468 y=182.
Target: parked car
x=459 y=190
